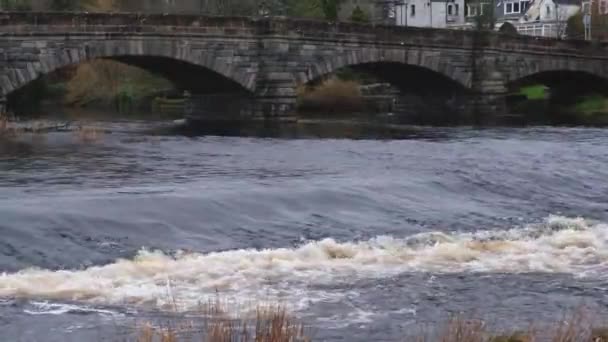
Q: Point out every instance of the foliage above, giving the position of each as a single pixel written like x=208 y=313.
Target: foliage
x=50 y=5
x=15 y=5
x=102 y=5
x=361 y=77
x=534 y=92
x=230 y=7
x=487 y=19
x=599 y=25
x=508 y=29
x=575 y=28
x=109 y=82
x=319 y=9
x=330 y=9
x=65 y=5
x=591 y=104
x=304 y=9
x=359 y=16
x=348 y=74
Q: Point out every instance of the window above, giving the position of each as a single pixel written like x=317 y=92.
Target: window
x=516 y=7
x=456 y=9
x=450 y=10
x=413 y=11
x=548 y=10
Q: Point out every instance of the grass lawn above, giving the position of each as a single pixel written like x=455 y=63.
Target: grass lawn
x=534 y=92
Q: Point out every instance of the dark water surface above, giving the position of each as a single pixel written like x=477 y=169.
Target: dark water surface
x=362 y=238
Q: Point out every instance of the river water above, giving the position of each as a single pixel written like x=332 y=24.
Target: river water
x=363 y=239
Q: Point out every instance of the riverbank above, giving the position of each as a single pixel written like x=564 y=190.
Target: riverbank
x=273 y=323
x=107 y=86
x=536 y=105
x=97 y=85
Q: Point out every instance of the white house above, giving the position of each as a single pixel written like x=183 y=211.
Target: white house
x=429 y=13
x=547 y=18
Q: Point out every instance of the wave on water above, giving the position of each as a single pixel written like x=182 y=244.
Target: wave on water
x=46 y=308
x=182 y=281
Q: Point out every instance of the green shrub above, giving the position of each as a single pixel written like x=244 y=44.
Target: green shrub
x=359 y=16
x=534 y=92
x=15 y=5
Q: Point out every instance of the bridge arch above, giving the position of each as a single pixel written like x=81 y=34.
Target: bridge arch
x=141 y=53
x=431 y=62
x=545 y=69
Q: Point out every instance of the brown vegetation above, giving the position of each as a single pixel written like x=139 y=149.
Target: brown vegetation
x=269 y=324
x=274 y=324
x=577 y=326
x=331 y=96
x=107 y=81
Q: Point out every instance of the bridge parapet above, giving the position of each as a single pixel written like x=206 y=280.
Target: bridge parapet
x=27 y=22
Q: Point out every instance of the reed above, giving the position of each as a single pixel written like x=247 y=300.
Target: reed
x=269 y=323
x=273 y=323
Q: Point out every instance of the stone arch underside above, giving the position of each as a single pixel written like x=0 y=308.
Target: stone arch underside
x=433 y=62
x=135 y=52
x=524 y=69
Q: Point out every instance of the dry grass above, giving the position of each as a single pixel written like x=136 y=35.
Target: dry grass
x=459 y=330
x=96 y=80
x=331 y=96
x=274 y=324
x=106 y=81
x=575 y=327
x=268 y=323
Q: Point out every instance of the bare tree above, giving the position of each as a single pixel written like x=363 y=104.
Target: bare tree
x=483 y=15
x=561 y=21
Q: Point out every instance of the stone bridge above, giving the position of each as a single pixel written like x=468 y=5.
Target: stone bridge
x=269 y=58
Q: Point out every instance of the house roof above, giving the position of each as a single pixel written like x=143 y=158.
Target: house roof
x=533 y=12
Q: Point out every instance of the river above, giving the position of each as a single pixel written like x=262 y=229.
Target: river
x=363 y=239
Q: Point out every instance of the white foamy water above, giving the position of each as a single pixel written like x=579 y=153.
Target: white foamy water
x=46 y=308
x=558 y=245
